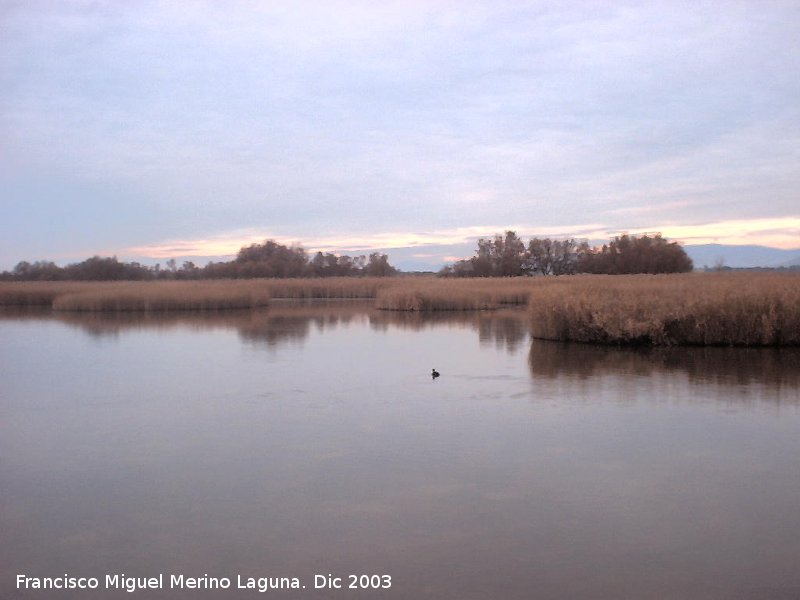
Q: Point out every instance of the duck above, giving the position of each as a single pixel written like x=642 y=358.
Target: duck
x=434 y=373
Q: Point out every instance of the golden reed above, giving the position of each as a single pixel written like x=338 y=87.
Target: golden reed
x=431 y=294
x=740 y=309
x=397 y=293
x=153 y=296
x=730 y=309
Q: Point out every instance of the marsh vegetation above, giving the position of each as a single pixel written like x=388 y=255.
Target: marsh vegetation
x=752 y=309
x=696 y=309
x=401 y=293
x=121 y=296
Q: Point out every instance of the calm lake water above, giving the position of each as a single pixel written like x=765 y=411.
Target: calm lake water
x=311 y=439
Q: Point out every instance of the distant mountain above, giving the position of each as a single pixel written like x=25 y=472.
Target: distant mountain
x=709 y=255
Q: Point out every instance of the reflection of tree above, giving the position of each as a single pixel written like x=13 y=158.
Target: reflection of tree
x=273 y=330
x=292 y=321
x=729 y=366
x=504 y=330
x=111 y=324
x=383 y=320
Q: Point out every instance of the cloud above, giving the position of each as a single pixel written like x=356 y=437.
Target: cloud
x=394 y=124
x=777 y=232
x=229 y=243
x=781 y=232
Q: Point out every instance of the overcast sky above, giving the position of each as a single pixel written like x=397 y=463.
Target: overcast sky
x=158 y=129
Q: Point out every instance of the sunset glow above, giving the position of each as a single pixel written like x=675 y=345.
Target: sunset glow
x=778 y=233
x=188 y=130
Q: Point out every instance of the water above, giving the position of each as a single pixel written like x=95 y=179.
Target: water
x=311 y=440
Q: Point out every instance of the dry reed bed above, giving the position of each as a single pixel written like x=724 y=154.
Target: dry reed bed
x=399 y=293
x=328 y=288
x=39 y=293
x=182 y=295
x=745 y=309
x=429 y=294
x=137 y=296
x=737 y=309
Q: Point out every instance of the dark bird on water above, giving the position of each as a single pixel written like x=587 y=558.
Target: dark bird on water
x=434 y=373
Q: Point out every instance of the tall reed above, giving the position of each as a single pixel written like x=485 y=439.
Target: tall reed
x=396 y=293
x=742 y=309
x=331 y=287
x=165 y=296
x=454 y=294
x=38 y=293
x=739 y=309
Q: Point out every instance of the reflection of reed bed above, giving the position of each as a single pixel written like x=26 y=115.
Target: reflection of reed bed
x=321 y=311
x=293 y=322
x=418 y=321
x=26 y=312
x=454 y=294
x=504 y=328
x=730 y=366
x=111 y=323
x=283 y=316
x=508 y=330
x=288 y=320
x=761 y=309
x=272 y=330
x=283 y=321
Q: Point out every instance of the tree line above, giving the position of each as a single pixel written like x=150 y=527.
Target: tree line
x=269 y=259
x=502 y=256
x=508 y=256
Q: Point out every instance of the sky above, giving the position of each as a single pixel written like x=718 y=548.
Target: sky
x=157 y=130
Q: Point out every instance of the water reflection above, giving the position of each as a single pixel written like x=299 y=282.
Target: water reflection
x=743 y=370
x=507 y=331
x=310 y=438
x=738 y=366
x=292 y=322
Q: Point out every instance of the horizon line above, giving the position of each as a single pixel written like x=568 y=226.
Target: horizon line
x=780 y=233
